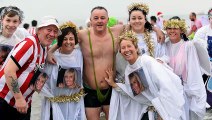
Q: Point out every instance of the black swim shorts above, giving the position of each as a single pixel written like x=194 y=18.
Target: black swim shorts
x=91 y=99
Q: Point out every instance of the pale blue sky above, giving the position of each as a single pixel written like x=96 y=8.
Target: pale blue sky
x=79 y=10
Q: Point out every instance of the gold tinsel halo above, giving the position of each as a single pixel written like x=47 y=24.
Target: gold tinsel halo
x=140 y=6
x=175 y=23
x=129 y=35
x=68 y=24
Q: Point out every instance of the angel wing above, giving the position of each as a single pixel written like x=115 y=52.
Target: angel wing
x=204 y=58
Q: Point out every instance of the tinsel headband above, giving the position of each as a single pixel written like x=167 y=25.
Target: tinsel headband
x=6 y=10
x=175 y=23
x=68 y=24
x=128 y=35
x=139 y=6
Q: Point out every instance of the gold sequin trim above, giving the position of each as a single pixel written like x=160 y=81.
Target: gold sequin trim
x=70 y=98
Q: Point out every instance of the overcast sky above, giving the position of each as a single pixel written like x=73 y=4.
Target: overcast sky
x=79 y=10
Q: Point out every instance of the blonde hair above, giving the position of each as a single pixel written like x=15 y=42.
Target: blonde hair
x=129 y=36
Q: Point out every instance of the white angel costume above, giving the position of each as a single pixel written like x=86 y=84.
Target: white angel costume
x=164 y=93
x=159 y=49
x=159 y=52
x=203 y=34
x=67 y=110
x=203 y=38
x=185 y=63
x=19 y=35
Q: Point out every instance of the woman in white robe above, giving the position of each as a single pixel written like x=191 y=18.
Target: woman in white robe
x=138 y=23
x=66 y=102
x=204 y=36
x=185 y=63
x=147 y=39
x=162 y=87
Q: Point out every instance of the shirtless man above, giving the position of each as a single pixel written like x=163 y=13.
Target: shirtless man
x=101 y=45
x=103 y=53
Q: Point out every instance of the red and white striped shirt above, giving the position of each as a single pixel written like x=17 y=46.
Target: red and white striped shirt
x=32 y=30
x=27 y=55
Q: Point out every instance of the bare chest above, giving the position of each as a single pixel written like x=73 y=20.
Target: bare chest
x=100 y=47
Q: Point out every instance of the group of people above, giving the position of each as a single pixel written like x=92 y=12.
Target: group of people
x=159 y=80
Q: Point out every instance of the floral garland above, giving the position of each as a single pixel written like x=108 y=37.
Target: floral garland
x=149 y=43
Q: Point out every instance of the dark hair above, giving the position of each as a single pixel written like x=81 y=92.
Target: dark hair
x=153 y=18
x=99 y=8
x=66 y=31
x=210 y=10
x=44 y=75
x=147 y=25
x=34 y=23
x=193 y=14
x=26 y=25
x=6 y=50
x=175 y=17
x=183 y=35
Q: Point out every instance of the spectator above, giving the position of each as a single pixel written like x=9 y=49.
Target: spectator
x=153 y=21
x=160 y=20
x=26 y=26
x=195 y=25
x=33 y=28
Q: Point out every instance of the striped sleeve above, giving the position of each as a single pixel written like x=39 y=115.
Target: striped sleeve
x=23 y=52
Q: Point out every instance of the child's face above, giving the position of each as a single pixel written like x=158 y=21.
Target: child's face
x=40 y=82
x=135 y=85
x=10 y=24
x=69 y=78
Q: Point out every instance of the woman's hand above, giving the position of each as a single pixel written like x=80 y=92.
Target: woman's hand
x=160 y=35
x=110 y=78
x=50 y=58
